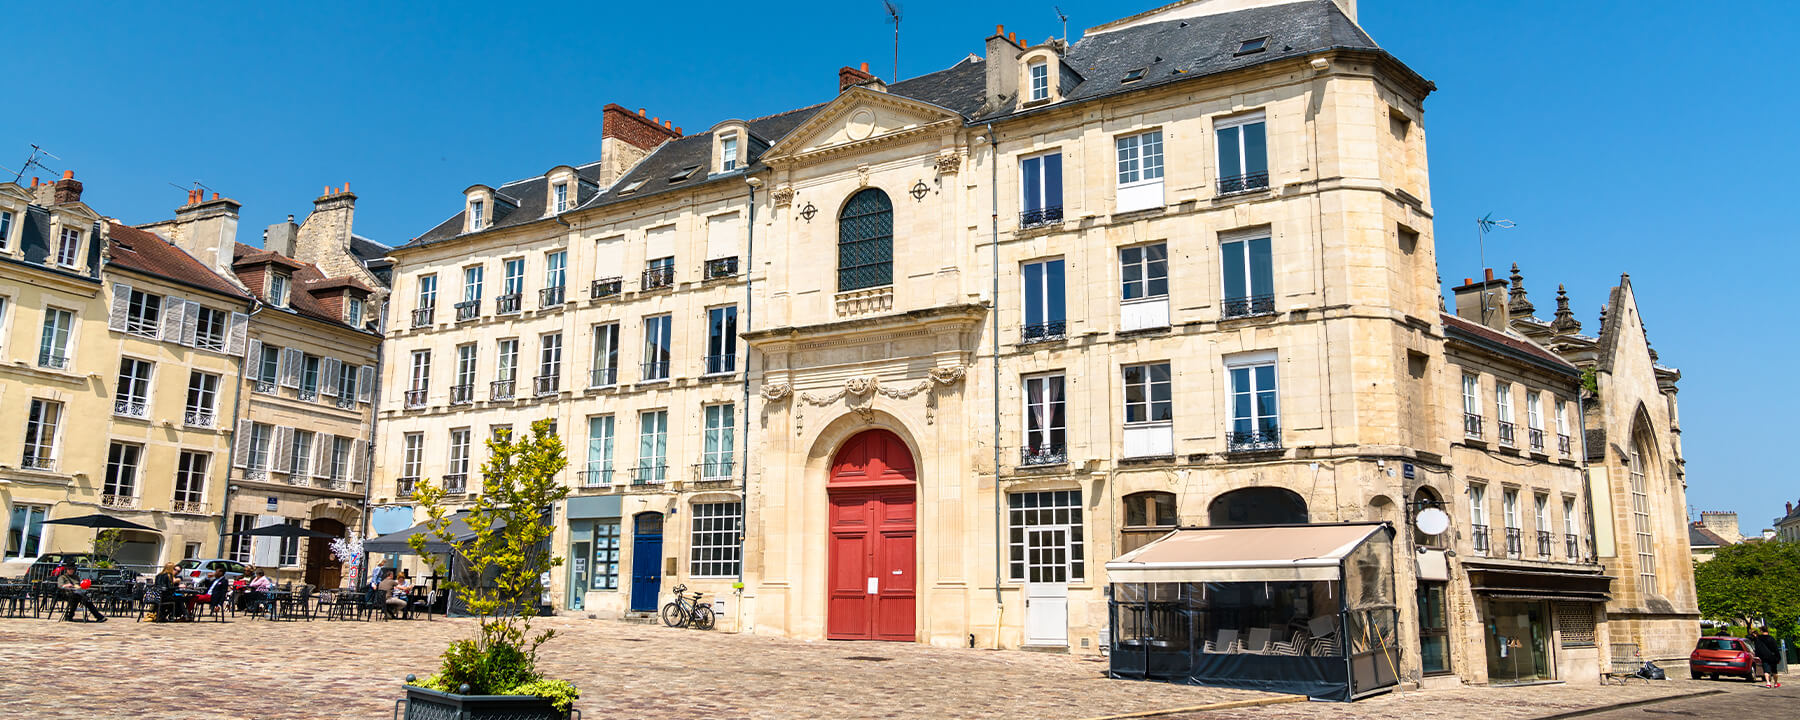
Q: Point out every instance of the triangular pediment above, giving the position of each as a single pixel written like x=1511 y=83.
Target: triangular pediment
x=15 y=191
x=859 y=117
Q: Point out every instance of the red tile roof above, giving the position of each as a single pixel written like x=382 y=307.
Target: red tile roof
x=305 y=277
x=145 y=252
x=1507 y=340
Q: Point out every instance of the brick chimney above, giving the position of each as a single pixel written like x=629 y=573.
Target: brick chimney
x=1002 y=69
x=626 y=138
x=849 y=77
x=1470 y=304
x=68 y=189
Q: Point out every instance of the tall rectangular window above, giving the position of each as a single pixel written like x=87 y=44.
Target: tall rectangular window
x=419 y=382
x=1255 y=415
x=427 y=291
x=190 y=481
x=728 y=154
x=300 y=456
x=41 y=429
x=456 y=472
x=556 y=269
x=1478 y=514
x=1144 y=272
x=1040 y=190
x=261 y=441
x=1243 y=153
x=310 y=366
x=1148 y=394
x=549 y=377
x=347 y=383
x=412 y=461
x=1503 y=410
x=656 y=347
x=506 y=366
x=472 y=280
x=268 y=369
x=1140 y=166
x=132 y=398
x=1541 y=516
x=1044 y=542
x=353 y=315
x=68 y=250
x=339 y=469
x=143 y=314
x=1534 y=419
x=1039 y=75
x=1571 y=536
x=513 y=278
x=122 y=461
x=25 y=533
x=1045 y=421
x=606 y=555
x=240 y=543
x=1509 y=509
x=721 y=340
x=202 y=399
x=719 y=440
x=1471 y=387
x=1249 y=275
x=562 y=197
x=1044 y=318
x=210 y=328
x=289 y=554
x=1640 y=518
x=600 y=451
x=477 y=215
x=6 y=223
x=278 y=290
x=53 y=348
x=715 y=548
x=606 y=356
x=653 y=446
x=464 y=390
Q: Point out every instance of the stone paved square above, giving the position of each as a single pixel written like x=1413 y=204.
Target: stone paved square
x=246 y=668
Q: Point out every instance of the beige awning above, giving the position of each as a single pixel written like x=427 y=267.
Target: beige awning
x=1286 y=553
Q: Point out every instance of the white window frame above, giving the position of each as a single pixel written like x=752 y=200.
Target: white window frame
x=658 y=336
x=512 y=276
x=556 y=269
x=143 y=314
x=477 y=215
x=1509 y=507
x=1257 y=117
x=605 y=356
x=354 y=314
x=412 y=456
x=68 y=247
x=550 y=354
x=506 y=359
x=721 y=345
x=262 y=440
x=1478 y=514
x=1534 y=410
x=1541 y=511
x=339 y=469
x=1147 y=387
x=278 y=289
x=202 y=399
x=715 y=540
x=728 y=153
x=474 y=276
x=420 y=377
x=718 y=452
x=1041 y=302
x=653 y=434
x=131 y=398
x=602 y=438
x=1640 y=516
x=1145 y=279
x=25 y=518
x=43 y=431
x=562 y=196
x=205 y=321
x=300 y=455
x=1045 y=418
x=58 y=333
x=191 y=469
x=1064 y=510
x=288 y=554
x=458 y=463
x=1037 y=73
x=1140 y=158
x=465 y=365
x=1260 y=416
x=1248 y=242
x=427 y=291
x=124 y=463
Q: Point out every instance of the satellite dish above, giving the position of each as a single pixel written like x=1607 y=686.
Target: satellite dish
x=1432 y=521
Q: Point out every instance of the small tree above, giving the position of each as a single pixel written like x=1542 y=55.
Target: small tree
x=510 y=525
x=106 y=545
x=1750 y=582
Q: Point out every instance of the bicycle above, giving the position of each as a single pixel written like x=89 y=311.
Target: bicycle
x=688 y=613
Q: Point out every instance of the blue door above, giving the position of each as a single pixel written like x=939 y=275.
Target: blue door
x=646 y=561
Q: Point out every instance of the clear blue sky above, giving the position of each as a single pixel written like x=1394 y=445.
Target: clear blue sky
x=1643 y=137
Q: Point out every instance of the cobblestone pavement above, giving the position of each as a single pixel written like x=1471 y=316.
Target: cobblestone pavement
x=256 y=669
x=1740 y=700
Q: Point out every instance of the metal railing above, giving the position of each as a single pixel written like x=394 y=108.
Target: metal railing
x=1515 y=542
x=649 y=474
x=141 y=327
x=721 y=364
x=603 y=377
x=467 y=310
x=198 y=418
x=1267 y=438
x=1472 y=425
x=38 y=462
x=1506 y=433
x=1040 y=332
x=552 y=296
x=421 y=317
x=597 y=478
x=209 y=341
x=720 y=268
x=191 y=507
x=1563 y=444
x=657 y=277
x=500 y=390
x=462 y=394
x=53 y=361
x=346 y=401
x=1478 y=535
x=403 y=487
x=415 y=399
x=713 y=470
x=1043 y=455
x=1040 y=216
x=456 y=483
x=122 y=502
x=309 y=394
x=1250 y=305
x=1543 y=538
x=546 y=385
x=655 y=371
x=1572 y=546
x=266 y=387
x=605 y=288
x=1243 y=183
x=130 y=408
x=1536 y=438
x=257 y=474
x=508 y=303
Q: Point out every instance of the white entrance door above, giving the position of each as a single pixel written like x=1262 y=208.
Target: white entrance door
x=1047 y=586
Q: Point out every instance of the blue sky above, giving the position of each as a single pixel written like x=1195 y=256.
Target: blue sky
x=1640 y=137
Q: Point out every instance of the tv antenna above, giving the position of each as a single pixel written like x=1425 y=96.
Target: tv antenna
x=1483 y=225
x=1065 y=23
x=32 y=161
x=893 y=11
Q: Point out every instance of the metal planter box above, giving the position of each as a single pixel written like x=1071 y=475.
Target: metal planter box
x=424 y=704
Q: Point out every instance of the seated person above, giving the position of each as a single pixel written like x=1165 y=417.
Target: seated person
x=167 y=582
x=214 y=589
x=69 y=585
x=394 y=602
x=255 y=595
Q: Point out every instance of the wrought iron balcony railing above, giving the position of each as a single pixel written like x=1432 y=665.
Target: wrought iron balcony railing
x=603 y=377
x=1543 y=543
x=190 y=507
x=54 y=361
x=720 y=268
x=456 y=483
x=1515 y=542
x=657 y=277
x=468 y=310
x=266 y=387
x=605 y=288
x=552 y=296
x=209 y=341
x=1266 y=438
x=141 y=327
x=721 y=364
x=713 y=470
x=1040 y=216
x=421 y=317
x=1243 y=183
x=601 y=477
x=1472 y=425
x=508 y=303
x=1572 y=546
x=1478 y=535
x=1536 y=438
x=1563 y=444
x=130 y=408
x=1506 y=434
x=500 y=390
x=415 y=399
x=462 y=394
x=649 y=474
x=309 y=394
x=122 y=502
x=199 y=418
x=1041 y=332
x=546 y=385
x=403 y=487
x=1043 y=455
x=655 y=371
x=1250 y=305
x=346 y=401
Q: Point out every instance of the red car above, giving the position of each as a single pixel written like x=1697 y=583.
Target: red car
x=1723 y=655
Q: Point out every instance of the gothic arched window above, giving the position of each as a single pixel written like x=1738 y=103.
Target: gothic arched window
x=866 y=241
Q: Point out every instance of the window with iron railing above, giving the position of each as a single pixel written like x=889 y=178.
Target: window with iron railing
x=1506 y=433
x=647 y=474
x=1248 y=306
x=1043 y=455
x=468 y=310
x=658 y=276
x=1543 y=543
x=1572 y=546
x=1515 y=542
x=713 y=470
x=462 y=394
x=1563 y=444
x=346 y=402
x=456 y=483
x=1247 y=182
x=551 y=296
x=605 y=288
x=721 y=268
x=546 y=385
x=721 y=364
x=500 y=390
x=403 y=487
x=1266 y=437
x=1243 y=153
x=421 y=317
x=199 y=418
x=1536 y=438
x=1472 y=425
x=1043 y=332
x=1478 y=535
x=507 y=304
x=653 y=371
x=603 y=377
x=1040 y=216
x=1249 y=274
x=1040 y=186
x=415 y=399
x=596 y=477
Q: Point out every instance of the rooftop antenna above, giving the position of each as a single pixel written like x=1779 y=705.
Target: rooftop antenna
x=1065 y=22
x=32 y=161
x=893 y=11
x=1483 y=225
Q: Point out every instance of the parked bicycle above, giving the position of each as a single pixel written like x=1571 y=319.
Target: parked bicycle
x=685 y=612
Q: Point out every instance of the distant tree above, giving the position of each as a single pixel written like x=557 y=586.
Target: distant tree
x=1755 y=581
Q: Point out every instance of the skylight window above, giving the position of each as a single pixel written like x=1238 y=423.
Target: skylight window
x=1132 y=76
x=686 y=172
x=633 y=187
x=1253 y=45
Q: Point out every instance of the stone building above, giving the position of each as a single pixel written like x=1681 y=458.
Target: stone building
x=112 y=325
x=1787 y=527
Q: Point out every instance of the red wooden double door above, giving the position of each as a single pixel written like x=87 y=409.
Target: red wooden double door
x=873 y=591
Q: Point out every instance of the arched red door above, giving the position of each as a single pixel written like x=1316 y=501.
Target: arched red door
x=872 y=563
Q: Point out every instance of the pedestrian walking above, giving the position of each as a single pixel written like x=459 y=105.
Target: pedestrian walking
x=1768 y=650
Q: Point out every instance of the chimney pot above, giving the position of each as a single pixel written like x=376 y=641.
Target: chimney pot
x=346 y=186
x=1490 y=273
x=290 y=217
x=1468 y=281
x=865 y=67
x=1013 y=37
x=34 y=181
x=999 y=29
x=678 y=130
x=640 y=112
x=68 y=174
x=215 y=196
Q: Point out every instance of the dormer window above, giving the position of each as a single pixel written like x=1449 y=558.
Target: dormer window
x=68 y=250
x=562 y=196
x=477 y=214
x=634 y=186
x=1253 y=45
x=278 y=290
x=353 y=313
x=684 y=174
x=728 y=153
x=1132 y=76
x=6 y=223
x=1039 y=72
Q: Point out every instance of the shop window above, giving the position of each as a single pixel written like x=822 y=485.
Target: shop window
x=1148 y=516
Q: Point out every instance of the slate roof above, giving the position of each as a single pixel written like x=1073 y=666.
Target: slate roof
x=145 y=252
x=1701 y=537
x=1169 y=51
x=1454 y=325
x=306 y=277
x=524 y=201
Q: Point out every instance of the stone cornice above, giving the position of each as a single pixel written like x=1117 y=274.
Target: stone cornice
x=959 y=316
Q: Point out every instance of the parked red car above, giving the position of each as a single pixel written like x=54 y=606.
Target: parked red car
x=1723 y=655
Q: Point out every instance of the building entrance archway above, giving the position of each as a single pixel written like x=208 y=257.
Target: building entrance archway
x=323 y=570
x=872 y=561
x=1258 y=506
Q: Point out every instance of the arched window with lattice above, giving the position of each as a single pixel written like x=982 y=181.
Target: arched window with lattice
x=866 y=241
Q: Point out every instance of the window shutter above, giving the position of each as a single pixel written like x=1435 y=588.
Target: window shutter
x=329 y=368
x=365 y=384
x=322 y=454
x=240 y=448
x=265 y=551
x=253 y=360
x=289 y=367
x=173 y=310
x=359 y=462
x=121 y=305
x=190 y=322
x=281 y=449
x=240 y=329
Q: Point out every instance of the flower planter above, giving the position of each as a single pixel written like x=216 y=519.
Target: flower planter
x=425 y=704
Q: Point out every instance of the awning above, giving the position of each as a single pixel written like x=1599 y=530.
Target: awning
x=397 y=542
x=1523 y=582
x=1267 y=553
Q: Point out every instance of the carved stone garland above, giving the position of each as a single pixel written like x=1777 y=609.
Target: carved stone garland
x=859 y=393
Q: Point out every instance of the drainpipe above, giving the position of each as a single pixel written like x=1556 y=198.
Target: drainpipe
x=994 y=313
x=237 y=399
x=374 y=422
x=1587 y=491
x=744 y=481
